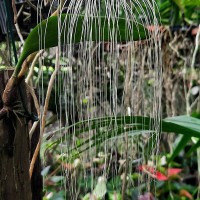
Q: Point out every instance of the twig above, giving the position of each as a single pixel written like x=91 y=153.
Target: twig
x=175 y=49
x=196 y=47
x=16 y=15
x=20 y=11
x=37 y=106
x=33 y=129
x=30 y=74
x=34 y=157
x=59 y=9
x=46 y=2
x=54 y=172
x=46 y=104
x=14 y=11
x=31 y=5
x=49 y=89
x=19 y=33
x=194 y=103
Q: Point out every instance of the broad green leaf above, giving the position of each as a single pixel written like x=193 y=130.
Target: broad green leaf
x=100 y=138
x=183 y=122
x=106 y=128
x=185 y=125
x=47 y=34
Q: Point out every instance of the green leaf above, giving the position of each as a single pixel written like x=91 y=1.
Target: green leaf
x=191 y=3
x=178 y=3
x=46 y=34
x=3 y=68
x=45 y=170
x=100 y=189
x=181 y=145
x=115 y=196
x=87 y=197
x=193 y=148
x=185 y=125
x=106 y=128
x=196 y=115
x=56 y=179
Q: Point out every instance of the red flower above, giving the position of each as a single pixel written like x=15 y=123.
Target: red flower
x=157 y=174
x=173 y=171
x=160 y=176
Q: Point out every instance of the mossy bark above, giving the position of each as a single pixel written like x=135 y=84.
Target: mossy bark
x=15 y=183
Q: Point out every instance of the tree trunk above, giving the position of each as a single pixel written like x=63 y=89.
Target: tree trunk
x=15 y=182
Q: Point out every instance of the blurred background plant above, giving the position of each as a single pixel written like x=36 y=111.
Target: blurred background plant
x=176 y=174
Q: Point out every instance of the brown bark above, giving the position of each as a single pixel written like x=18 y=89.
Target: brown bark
x=15 y=183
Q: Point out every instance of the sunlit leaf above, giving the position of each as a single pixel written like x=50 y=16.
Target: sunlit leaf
x=56 y=179
x=45 y=171
x=100 y=189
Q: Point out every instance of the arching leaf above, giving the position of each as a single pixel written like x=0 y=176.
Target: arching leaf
x=47 y=34
x=109 y=127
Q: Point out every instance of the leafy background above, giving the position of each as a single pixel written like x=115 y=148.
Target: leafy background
x=176 y=173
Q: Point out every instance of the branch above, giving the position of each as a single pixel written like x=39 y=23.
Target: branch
x=46 y=105
x=14 y=11
x=30 y=74
x=31 y=5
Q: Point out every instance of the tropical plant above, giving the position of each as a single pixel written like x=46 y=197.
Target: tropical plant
x=175 y=12
x=96 y=133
